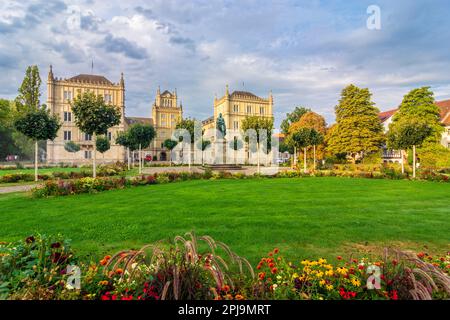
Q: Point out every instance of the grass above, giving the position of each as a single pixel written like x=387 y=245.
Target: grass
x=41 y=171
x=308 y=217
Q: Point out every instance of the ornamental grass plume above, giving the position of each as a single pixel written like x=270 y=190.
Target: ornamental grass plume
x=417 y=279
x=181 y=269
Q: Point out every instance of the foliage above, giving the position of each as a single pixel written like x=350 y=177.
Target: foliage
x=236 y=144
x=38 y=125
x=93 y=116
x=29 y=91
x=141 y=135
x=170 y=144
x=408 y=132
x=189 y=125
x=358 y=130
x=71 y=146
x=292 y=117
x=434 y=156
x=419 y=104
x=124 y=139
x=204 y=144
x=255 y=125
x=102 y=144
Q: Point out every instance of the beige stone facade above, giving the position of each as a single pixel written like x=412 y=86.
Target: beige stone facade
x=234 y=108
x=60 y=95
x=166 y=113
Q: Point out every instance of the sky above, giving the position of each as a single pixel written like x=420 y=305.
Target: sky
x=306 y=52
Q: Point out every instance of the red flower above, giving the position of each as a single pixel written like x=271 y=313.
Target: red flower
x=276 y=250
x=361 y=267
x=274 y=270
x=394 y=295
x=339 y=257
x=271 y=265
x=261 y=275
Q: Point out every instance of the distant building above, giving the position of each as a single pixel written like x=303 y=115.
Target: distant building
x=60 y=95
x=166 y=113
x=234 y=108
x=386 y=119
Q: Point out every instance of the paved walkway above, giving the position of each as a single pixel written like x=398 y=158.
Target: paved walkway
x=19 y=188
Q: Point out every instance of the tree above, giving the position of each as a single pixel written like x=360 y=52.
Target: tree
x=257 y=124
x=94 y=117
x=303 y=137
x=203 y=144
x=236 y=145
x=38 y=125
x=170 y=145
x=420 y=104
x=29 y=91
x=71 y=146
x=123 y=139
x=102 y=144
x=189 y=125
x=409 y=133
x=7 y=143
x=358 y=129
x=292 y=117
x=316 y=139
x=141 y=135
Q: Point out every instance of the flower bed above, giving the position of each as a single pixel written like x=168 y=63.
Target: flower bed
x=194 y=267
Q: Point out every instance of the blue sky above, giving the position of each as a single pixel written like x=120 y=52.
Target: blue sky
x=304 y=51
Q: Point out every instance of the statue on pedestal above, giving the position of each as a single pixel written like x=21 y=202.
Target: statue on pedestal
x=220 y=125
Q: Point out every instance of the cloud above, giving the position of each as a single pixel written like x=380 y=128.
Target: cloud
x=122 y=45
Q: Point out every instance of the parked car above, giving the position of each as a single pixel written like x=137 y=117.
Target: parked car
x=148 y=158
x=11 y=157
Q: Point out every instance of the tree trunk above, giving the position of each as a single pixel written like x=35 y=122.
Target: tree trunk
x=128 y=158
x=295 y=158
x=403 y=161
x=414 y=161
x=94 y=164
x=140 y=159
x=235 y=157
x=304 y=160
x=257 y=154
x=36 y=147
x=170 y=158
x=314 y=166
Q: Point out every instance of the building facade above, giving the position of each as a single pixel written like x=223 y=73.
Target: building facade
x=166 y=113
x=386 y=119
x=60 y=95
x=234 y=108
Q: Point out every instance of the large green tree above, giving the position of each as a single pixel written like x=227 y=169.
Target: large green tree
x=123 y=139
x=93 y=116
x=409 y=133
x=420 y=104
x=252 y=127
x=358 y=130
x=170 y=145
x=29 y=91
x=7 y=144
x=141 y=135
x=38 y=125
x=292 y=117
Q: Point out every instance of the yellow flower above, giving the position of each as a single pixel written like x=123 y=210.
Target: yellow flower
x=322 y=282
x=313 y=263
x=305 y=262
x=329 y=273
x=322 y=261
x=328 y=266
x=294 y=276
x=356 y=282
x=103 y=283
x=319 y=274
x=342 y=271
x=329 y=287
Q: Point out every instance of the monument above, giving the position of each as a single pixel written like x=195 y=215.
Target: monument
x=220 y=141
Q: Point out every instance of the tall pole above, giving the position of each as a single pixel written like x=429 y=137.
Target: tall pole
x=94 y=166
x=414 y=161
x=403 y=161
x=36 y=160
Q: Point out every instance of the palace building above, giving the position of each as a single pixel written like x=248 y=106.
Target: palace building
x=60 y=95
x=234 y=108
x=166 y=113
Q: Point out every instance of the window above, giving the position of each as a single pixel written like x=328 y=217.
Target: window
x=261 y=110
x=67 y=116
x=67 y=135
x=67 y=95
x=109 y=136
x=249 y=109
x=87 y=137
x=108 y=98
x=236 y=108
x=87 y=154
x=235 y=125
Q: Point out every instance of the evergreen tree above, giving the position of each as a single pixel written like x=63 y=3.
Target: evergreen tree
x=358 y=130
x=29 y=91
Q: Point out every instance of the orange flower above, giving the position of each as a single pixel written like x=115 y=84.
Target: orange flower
x=258 y=267
x=339 y=257
x=261 y=275
x=119 y=271
x=271 y=265
x=378 y=264
x=276 y=250
x=270 y=254
x=274 y=270
x=226 y=288
x=421 y=255
x=107 y=257
x=103 y=262
x=239 y=297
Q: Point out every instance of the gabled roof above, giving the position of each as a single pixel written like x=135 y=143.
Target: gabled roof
x=91 y=78
x=444 y=107
x=244 y=94
x=167 y=92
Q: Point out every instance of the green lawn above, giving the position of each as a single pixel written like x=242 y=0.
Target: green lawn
x=308 y=217
x=41 y=171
